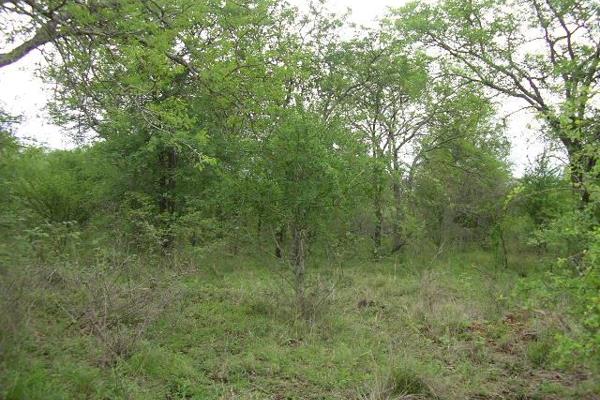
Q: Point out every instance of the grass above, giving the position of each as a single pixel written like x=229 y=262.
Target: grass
x=227 y=328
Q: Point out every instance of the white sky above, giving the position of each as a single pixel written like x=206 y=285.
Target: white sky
x=22 y=93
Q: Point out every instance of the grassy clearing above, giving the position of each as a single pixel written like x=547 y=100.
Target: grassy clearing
x=387 y=330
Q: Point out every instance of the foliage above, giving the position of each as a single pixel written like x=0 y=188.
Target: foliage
x=546 y=54
x=573 y=278
x=270 y=202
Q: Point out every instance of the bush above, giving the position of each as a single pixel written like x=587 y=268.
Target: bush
x=572 y=286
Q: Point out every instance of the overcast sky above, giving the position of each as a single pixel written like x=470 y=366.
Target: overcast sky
x=21 y=92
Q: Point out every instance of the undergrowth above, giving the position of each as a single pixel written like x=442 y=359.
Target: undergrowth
x=119 y=326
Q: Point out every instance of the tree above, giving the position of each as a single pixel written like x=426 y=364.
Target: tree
x=299 y=178
x=191 y=68
x=380 y=91
x=545 y=53
x=404 y=106
x=459 y=174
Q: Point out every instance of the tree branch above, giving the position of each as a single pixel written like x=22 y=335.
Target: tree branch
x=43 y=35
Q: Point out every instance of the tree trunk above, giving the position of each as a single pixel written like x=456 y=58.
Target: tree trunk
x=580 y=163
x=166 y=201
x=577 y=172
x=378 y=183
x=279 y=241
x=378 y=233
x=583 y=176
x=378 y=208
x=503 y=249
x=298 y=263
x=398 y=238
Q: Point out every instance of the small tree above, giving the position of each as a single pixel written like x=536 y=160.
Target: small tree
x=297 y=178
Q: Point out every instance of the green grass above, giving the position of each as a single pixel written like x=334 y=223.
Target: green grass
x=228 y=329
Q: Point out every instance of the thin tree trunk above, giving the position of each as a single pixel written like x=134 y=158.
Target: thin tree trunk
x=166 y=202
x=279 y=241
x=299 y=266
x=378 y=208
x=398 y=239
x=397 y=226
x=378 y=233
x=503 y=248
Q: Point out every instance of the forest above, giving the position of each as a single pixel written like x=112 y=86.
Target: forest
x=268 y=201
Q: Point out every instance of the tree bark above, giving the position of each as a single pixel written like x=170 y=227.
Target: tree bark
x=378 y=233
x=399 y=240
x=279 y=240
x=581 y=166
x=377 y=200
x=298 y=261
x=43 y=35
x=166 y=200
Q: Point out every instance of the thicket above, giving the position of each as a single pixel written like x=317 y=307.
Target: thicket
x=248 y=128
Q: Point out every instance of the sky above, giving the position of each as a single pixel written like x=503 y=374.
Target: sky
x=23 y=93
